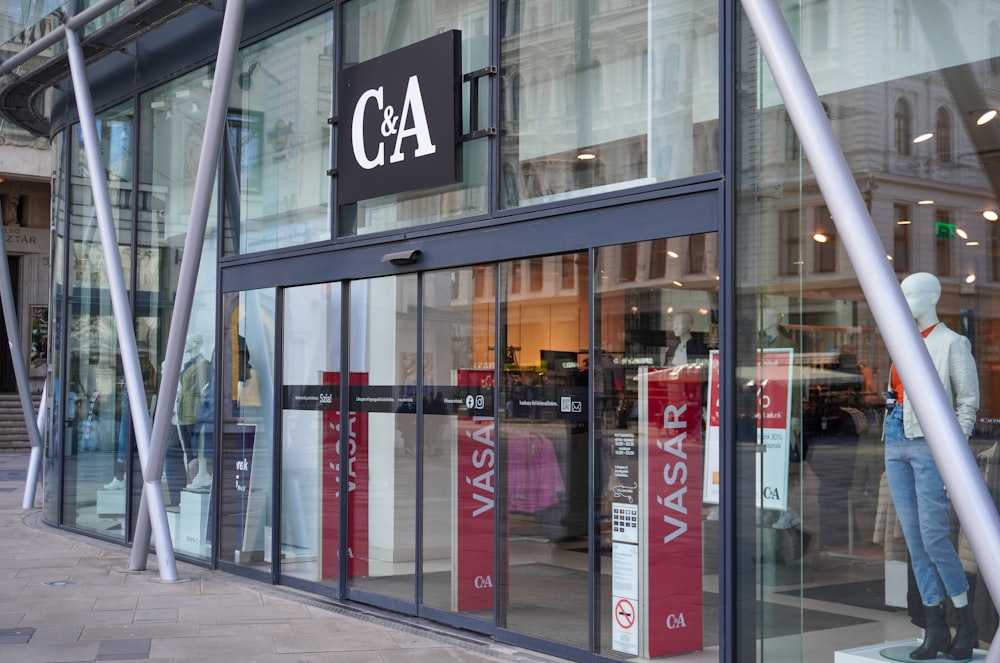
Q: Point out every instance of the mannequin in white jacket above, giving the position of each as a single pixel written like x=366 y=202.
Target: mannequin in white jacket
x=918 y=491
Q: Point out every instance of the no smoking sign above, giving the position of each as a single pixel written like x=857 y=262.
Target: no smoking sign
x=624 y=632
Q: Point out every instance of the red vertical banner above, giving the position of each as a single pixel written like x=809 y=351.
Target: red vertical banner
x=476 y=477
x=357 y=485
x=673 y=593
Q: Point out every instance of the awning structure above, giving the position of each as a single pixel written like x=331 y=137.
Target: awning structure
x=105 y=27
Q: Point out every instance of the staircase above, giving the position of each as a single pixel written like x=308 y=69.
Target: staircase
x=13 y=433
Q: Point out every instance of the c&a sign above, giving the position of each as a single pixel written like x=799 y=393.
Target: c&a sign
x=400 y=120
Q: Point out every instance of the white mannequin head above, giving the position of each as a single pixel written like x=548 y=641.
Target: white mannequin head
x=193 y=344
x=769 y=319
x=922 y=292
x=683 y=322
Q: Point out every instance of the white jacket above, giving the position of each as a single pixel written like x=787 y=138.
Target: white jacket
x=952 y=357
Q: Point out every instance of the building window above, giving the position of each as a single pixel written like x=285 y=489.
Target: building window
x=790 y=241
x=536 y=274
x=819 y=26
x=697 y=259
x=825 y=240
x=942 y=135
x=657 y=259
x=569 y=271
x=944 y=231
x=585 y=124
x=901 y=238
x=901 y=125
x=901 y=25
x=994 y=47
x=793 y=148
x=629 y=262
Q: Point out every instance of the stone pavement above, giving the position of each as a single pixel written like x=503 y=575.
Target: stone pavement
x=67 y=598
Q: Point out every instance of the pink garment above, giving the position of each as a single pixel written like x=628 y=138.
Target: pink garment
x=534 y=480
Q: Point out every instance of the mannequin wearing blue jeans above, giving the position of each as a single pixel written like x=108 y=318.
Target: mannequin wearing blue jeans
x=918 y=492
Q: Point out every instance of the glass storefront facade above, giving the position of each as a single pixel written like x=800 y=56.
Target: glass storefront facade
x=615 y=394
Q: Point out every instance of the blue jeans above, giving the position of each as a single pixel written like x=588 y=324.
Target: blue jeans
x=924 y=512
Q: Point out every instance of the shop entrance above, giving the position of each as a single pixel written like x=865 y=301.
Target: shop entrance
x=496 y=465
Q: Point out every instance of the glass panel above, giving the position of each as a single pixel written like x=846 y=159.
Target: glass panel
x=832 y=542
x=543 y=436
x=54 y=434
x=626 y=94
x=168 y=161
x=459 y=454
x=247 y=415
x=657 y=447
x=310 y=426
x=277 y=150
x=376 y=27
x=381 y=536
x=93 y=451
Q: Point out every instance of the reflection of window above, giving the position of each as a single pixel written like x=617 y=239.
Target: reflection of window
x=901 y=238
x=697 y=262
x=245 y=140
x=789 y=238
x=942 y=134
x=536 y=274
x=995 y=250
x=942 y=242
x=994 y=47
x=901 y=25
x=515 y=276
x=819 y=22
x=629 y=262
x=568 y=271
x=901 y=124
x=825 y=241
x=657 y=259
x=792 y=145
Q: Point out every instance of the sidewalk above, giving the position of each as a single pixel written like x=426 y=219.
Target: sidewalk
x=67 y=597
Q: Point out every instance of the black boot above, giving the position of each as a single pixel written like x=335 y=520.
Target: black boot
x=966 y=636
x=937 y=637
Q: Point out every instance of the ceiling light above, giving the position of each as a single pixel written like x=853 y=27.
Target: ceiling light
x=986 y=117
x=923 y=137
x=990 y=215
x=821 y=238
x=889 y=257
x=961 y=233
x=971 y=278
x=926 y=201
x=678 y=284
x=903 y=222
x=973 y=243
x=586 y=156
x=672 y=254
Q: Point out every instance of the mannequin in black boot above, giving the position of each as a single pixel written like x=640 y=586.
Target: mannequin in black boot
x=966 y=635
x=937 y=637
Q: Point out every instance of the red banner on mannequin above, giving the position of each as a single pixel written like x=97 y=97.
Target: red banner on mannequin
x=357 y=486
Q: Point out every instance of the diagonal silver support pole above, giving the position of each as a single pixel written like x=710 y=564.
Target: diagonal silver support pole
x=936 y=415
x=35 y=460
x=20 y=369
x=208 y=163
x=152 y=492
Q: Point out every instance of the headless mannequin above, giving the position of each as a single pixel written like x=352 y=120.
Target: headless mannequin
x=918 y=492
x=190 y=394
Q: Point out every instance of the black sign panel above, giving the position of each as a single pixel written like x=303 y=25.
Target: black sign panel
x=400 y=118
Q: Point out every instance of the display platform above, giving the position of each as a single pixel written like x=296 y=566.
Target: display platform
x=890 y=651
x=110 y=503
